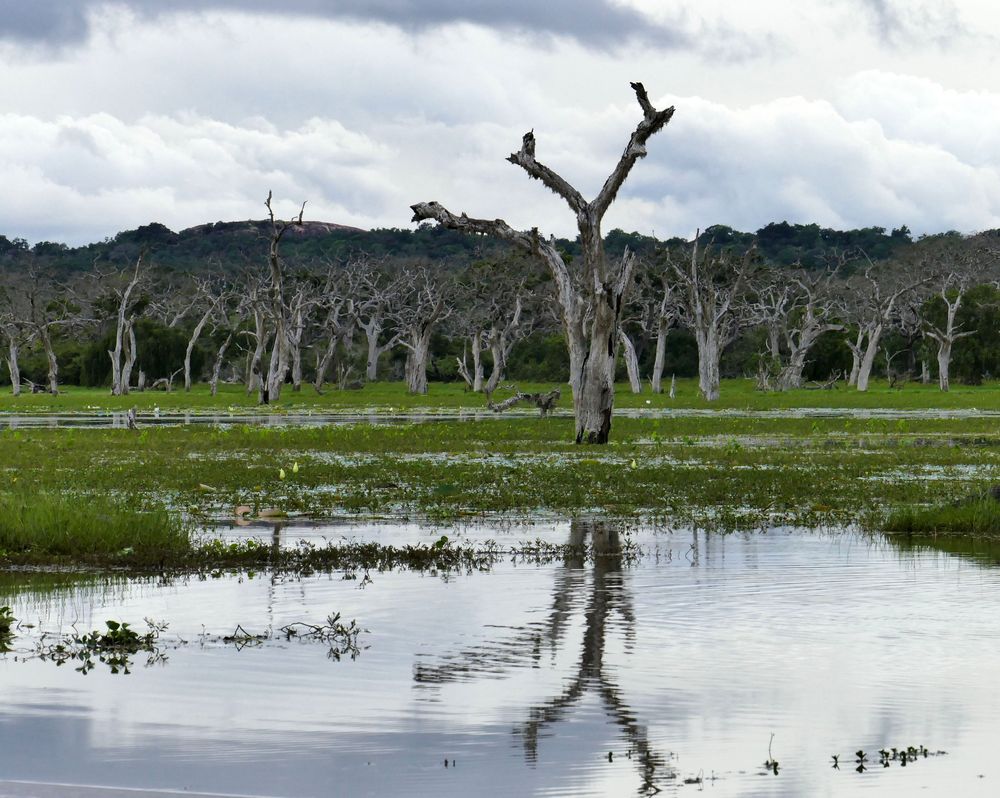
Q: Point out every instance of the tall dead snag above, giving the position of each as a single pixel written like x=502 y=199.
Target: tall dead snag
x=123 y=355
x=423 y=309
x=281 y=349
x=796 y=308
x=591 y=291
x=711 y=303
x=13 y=328
x=877 y=298
x=954 y=286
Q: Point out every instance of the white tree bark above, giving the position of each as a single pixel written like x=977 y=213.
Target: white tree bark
x=119 y=379
x=659 y=358
x=952 y=292
x=631 y=362
x=12 y=364
x=711 y=305
x=591 y=294
x=874 y=335
x=220 y=357
x=279 y=362
x=193 y=340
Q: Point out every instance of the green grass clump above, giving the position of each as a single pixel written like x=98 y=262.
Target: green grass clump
x=978 y=517
x=38 y=525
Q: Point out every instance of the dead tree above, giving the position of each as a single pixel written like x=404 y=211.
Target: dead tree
x=491 y=318
x=376 y=295
x=953 y=288
x=796 y=308
x=591 y=290
x=875 y=300
x=255 y=303
x=124 y=354
x=13 y=329
x=423 y=308
x=338 y=324
x=227 y=318
x=710 y=300
x=209 y=294
x=279 y=362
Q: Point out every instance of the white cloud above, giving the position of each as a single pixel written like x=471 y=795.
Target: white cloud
x=192 y=118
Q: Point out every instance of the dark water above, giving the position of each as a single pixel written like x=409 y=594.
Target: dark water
x=681 y=664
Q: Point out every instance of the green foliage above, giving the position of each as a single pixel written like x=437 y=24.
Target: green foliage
x=160 y=353
x=37 y=523
x=979 y=516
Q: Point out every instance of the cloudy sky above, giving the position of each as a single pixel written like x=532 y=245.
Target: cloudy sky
x=844 y=112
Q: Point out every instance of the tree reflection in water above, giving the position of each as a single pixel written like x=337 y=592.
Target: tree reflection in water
x=606 y=603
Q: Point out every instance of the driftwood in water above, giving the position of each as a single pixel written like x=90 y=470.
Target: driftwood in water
x=543 y=401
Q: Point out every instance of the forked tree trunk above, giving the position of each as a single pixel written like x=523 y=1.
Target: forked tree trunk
x=868 y=360
x=592 y=294
x=121 y=330
x=631 y=362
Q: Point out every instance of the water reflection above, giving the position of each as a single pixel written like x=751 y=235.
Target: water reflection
x=606 y=604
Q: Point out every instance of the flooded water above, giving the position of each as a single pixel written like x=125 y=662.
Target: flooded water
x=604 y=677
x=102 y=419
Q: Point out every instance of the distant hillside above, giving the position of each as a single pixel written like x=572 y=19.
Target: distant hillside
x=232 y=246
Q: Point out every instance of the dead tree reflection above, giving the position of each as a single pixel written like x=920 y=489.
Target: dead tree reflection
x=605 y=604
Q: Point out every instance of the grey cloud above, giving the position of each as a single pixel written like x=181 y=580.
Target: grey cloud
x=600 y=23
x=905 y=22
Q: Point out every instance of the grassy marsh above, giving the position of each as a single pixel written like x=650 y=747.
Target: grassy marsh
x=142 y=492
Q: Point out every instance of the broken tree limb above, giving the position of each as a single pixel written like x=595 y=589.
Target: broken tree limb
x=543 y=401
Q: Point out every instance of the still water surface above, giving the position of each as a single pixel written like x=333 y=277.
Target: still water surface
x=681 y=664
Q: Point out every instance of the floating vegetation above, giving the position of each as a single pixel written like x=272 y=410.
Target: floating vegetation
x=118 y=643
x=114 y=646
x=887 y=757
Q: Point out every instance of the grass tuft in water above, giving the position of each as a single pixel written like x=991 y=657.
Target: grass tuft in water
x=979 y=516
x=44 y=525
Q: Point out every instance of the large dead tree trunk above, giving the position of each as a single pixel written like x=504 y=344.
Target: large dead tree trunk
x=592 y=293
